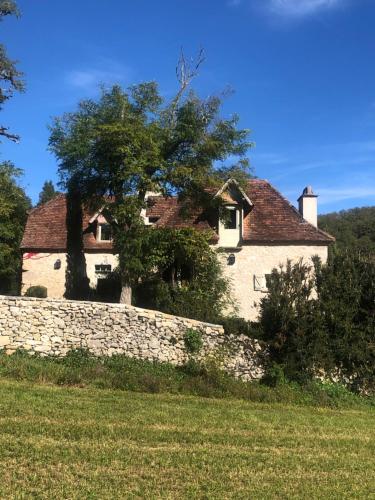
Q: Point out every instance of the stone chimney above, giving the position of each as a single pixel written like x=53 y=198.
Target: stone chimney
x=308 y=206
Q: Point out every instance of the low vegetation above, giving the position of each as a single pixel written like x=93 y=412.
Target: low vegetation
x=60 y=442
x=81 y=369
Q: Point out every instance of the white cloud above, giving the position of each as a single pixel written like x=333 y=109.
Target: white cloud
x=107 y=72
x=301 y=8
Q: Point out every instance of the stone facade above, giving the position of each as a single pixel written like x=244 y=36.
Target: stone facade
x=253 y=263
x=39 y=269
x=54 y=327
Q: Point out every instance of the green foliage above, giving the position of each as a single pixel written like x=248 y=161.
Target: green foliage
x=353 y=229
x=234 y=325
x=81 y=368
x=48 y=193
x=130 y=142
x=193 y=341
x=183 y=275
x=274 y=375
x=346 y=295
x=292 y=322
x=10 y=77
x=323 y=318
x=37 y=291
x=13 y=214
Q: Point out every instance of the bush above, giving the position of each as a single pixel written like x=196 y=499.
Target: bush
x=193 y=341
x=291 y=322
x=274 y=375
x=37 y=291
x=322 y=317
x=234 y=325
x=186 y=278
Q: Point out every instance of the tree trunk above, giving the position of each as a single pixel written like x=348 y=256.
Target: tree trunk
x=126 y=295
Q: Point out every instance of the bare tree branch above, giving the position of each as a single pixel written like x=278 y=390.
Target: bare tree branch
x=186 y=71
x=12 y=137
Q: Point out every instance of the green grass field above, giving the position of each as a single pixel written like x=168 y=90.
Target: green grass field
x=59 y=442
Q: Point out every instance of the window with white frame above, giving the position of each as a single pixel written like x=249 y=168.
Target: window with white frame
x=104 y=232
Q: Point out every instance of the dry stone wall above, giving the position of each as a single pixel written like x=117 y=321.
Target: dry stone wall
x=54 y=327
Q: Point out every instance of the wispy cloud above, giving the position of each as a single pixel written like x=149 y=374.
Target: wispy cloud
x=334 y=195
x=301 y=8
x=234 y=3
x=106 y=72
x=343 y=175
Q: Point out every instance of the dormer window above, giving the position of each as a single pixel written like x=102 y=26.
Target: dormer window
x=104 y=232
x=237 y=206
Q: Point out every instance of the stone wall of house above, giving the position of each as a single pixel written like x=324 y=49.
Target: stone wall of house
x=39 y=269
x=256 y=261
x=54 y=327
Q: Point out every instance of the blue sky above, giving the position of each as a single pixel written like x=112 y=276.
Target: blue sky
x=303 y=73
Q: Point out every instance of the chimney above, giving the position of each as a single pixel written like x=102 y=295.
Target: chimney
x=308 y=206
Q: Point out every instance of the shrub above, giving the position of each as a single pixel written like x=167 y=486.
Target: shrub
x=291 y=322
x=234 y=325
x=37 y=291
x=346 y=292
x=186 y=278
x=193 y=341
x=274 y=375
x=78 y=357
x=322 y=317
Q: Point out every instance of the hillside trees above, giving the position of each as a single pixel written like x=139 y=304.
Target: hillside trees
x=353 y=229
x=10 y=77
x=13 y=213
x=129 y=142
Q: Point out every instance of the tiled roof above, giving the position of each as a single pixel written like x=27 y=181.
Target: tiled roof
x=45 y=227
x=272 y=219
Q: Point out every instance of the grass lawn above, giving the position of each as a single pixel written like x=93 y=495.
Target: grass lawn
x=59 y=442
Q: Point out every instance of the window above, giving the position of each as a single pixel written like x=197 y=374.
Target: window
x=153 y=220
x=261 y=282
x=231 y=222
x=105 y=232
x=103 y=269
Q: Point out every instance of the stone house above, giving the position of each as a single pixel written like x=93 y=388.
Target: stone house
x=262 y=231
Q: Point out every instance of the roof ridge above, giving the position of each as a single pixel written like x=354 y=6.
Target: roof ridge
x=46 y=203
x=299 y=215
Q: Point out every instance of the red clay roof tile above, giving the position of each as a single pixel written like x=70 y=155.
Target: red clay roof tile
x=272 y=219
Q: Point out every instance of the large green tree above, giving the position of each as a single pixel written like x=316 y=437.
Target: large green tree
x=10 y=77
x=13 y=213
x=131 y=141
